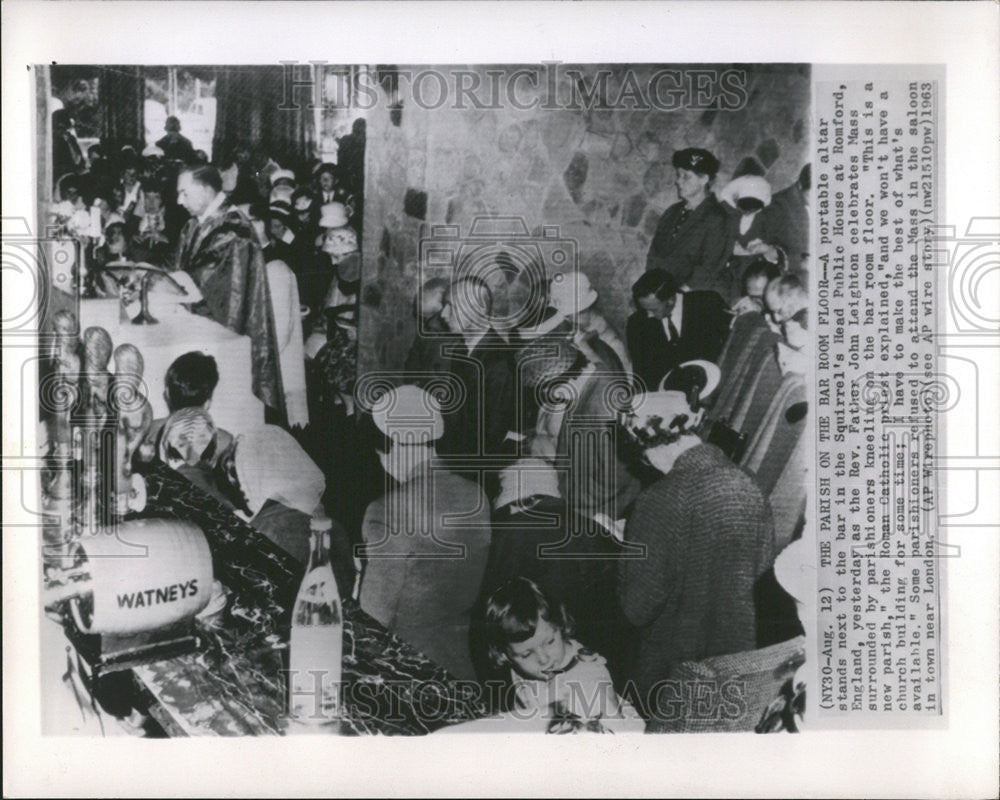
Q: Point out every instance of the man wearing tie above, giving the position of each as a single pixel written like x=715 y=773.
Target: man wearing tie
x=671 y=327
x=329 y=190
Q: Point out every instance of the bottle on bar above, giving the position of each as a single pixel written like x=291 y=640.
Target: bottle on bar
x=57 y=503
x=316 y=642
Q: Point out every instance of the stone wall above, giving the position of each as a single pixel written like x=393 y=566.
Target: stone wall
x=603 y=176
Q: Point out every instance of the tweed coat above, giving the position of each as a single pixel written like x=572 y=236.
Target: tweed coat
x=709 y=536
x=424 y=566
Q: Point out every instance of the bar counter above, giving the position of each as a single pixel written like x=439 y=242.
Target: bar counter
x=234 y=685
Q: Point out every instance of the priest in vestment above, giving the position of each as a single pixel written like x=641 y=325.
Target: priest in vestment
x=219 y=250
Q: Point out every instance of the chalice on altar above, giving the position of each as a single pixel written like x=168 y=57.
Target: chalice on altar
x=125 y=273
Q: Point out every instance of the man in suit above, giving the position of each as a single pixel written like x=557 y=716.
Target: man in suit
x=220 y=251
x=175 y=145
x=752 y=231
x=709 y=536
x=671 y=327
x=67 y=156
x=427 y=540
x=329 y=189
x=690 y=239
x=789 y=213
x=484 y=365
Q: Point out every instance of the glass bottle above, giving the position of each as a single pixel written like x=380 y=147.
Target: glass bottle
x=316 y=642
x=57 y=500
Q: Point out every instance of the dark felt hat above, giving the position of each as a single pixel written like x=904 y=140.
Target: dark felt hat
x=697 y=160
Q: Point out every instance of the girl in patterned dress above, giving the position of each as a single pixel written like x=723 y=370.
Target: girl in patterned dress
x=555 y=679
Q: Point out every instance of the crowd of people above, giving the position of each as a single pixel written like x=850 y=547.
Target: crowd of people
x=619 y=503
x=223 y=224
x=588 y=506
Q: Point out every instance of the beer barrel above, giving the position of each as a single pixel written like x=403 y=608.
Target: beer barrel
x=144 y=574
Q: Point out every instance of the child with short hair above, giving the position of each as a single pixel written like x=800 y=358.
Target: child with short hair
x=554 y=676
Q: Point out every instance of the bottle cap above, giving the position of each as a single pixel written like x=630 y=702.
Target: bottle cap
x=320 y=523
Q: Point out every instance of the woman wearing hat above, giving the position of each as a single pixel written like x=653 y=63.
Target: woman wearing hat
x=752 y=231
x=281 y=237
x=691 y=237
x=306 y=213
x=709 y=536
x=281 y=193
x=340 y=244
x=335 y=365
x=286 y=244
x=424 y=564
x=572 y=296
x=283 y=177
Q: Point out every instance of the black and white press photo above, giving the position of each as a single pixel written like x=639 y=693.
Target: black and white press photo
x=500 y=398
x=429 y=399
